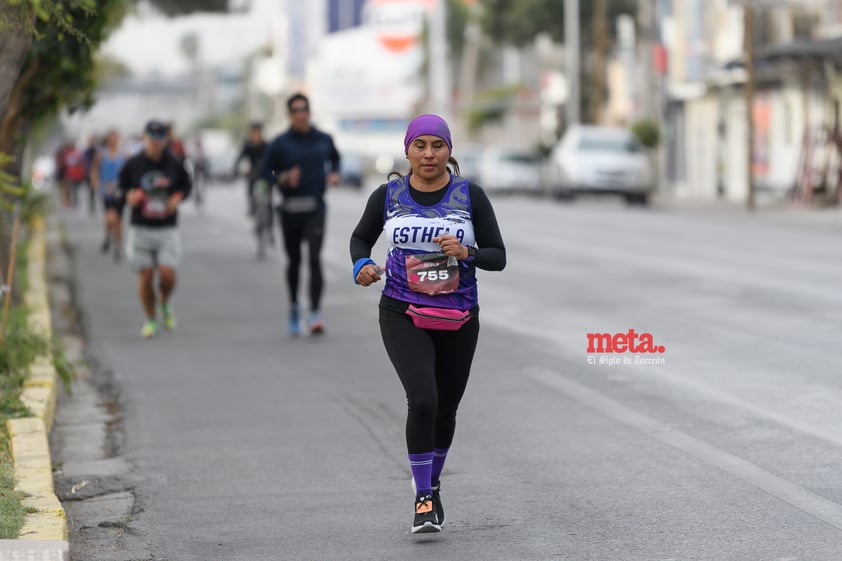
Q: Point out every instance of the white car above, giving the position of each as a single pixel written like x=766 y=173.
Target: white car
x=501 y=170
x=601 y=160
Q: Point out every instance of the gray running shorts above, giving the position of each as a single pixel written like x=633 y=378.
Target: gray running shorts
x=149 y=247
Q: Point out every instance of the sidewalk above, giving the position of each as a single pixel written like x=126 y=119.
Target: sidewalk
x=776 y=212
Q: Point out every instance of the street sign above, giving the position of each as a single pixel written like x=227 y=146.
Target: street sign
x=398 y=24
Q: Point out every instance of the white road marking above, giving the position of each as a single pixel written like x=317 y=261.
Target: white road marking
x=796 y=496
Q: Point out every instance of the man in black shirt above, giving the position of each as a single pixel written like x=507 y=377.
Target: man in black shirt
x=297 y=161
x=154 y=183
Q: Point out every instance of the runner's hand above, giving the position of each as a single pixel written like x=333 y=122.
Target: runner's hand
x=290 y=177
x=451 y=246
x=173 y=202
x=369 y=275
x=333 y=178
x=134 y=197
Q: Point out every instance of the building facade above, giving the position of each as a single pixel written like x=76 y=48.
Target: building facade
x=794 y=111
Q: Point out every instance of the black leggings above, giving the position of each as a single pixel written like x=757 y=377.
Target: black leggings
x=433 y=367
x=298 y=228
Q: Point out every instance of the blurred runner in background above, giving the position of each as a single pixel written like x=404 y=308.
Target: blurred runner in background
x=105 y=170
x=155 y=182
x=297 y=162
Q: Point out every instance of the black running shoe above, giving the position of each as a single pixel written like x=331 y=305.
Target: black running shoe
x=425 y=516
x=437 y=506
x=106 y=243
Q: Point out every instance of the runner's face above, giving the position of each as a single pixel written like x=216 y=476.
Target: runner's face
x=299 y=115
x=154 y=145
x=428 y=157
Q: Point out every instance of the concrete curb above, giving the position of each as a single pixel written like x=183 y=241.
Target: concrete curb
x=45 y=532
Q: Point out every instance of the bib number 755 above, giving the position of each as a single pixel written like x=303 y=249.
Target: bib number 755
x=433 y=275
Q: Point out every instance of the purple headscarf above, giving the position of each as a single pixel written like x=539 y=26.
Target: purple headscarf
x=427 y=124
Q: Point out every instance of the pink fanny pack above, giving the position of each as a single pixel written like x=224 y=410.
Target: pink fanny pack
x=440 y=319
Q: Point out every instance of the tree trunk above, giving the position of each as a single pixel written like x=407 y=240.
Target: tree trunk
x=10 y=121
x=15 y=38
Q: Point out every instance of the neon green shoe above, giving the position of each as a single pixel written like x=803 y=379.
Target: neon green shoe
x=168 y=316
x=150 y=328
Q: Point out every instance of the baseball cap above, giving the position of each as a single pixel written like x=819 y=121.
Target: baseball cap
x=156 y=128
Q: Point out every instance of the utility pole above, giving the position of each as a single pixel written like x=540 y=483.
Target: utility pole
x=646 y=104
x=468 y=66
x=572 y=50
x=598 y=72
x=748 y=33
x=438 y=71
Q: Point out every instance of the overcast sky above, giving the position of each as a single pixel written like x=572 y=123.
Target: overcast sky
x=150 y=44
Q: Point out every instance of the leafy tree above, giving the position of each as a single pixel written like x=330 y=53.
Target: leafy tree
x=181 y=7
x=457 y=19
x=59 y=68
x=516 y=22
x=46 y=61
x=16 y=22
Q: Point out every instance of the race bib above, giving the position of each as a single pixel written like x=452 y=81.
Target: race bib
x=432 y=273
x=154 y=208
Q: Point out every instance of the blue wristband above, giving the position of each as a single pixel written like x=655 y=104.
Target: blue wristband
x=360 y=264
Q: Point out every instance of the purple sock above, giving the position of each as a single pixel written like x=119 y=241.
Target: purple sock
x=421 y=465
x=439 y=456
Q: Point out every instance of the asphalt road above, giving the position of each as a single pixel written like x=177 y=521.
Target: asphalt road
x=250 y=445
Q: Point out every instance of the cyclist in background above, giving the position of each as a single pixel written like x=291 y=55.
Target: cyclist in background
x=253 y=148
x=258 y=195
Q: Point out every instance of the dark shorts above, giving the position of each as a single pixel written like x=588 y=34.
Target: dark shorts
x=113 y=204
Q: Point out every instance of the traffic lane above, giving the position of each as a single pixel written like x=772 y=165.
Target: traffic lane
x=580 y=465
x=565 y=479
x=771 y=350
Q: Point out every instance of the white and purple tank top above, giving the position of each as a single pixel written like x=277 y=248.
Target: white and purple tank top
x=409 y=229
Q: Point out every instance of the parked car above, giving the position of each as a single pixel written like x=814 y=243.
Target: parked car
x=501 y=170
x=351 y=169
x=220 y=152
x=601 y=160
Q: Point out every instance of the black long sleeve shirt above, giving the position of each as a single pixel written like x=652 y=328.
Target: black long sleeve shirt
x=491 y=250
x=253 y=152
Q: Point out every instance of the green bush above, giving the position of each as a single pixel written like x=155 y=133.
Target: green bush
x=646 y=130
x=16 y=351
